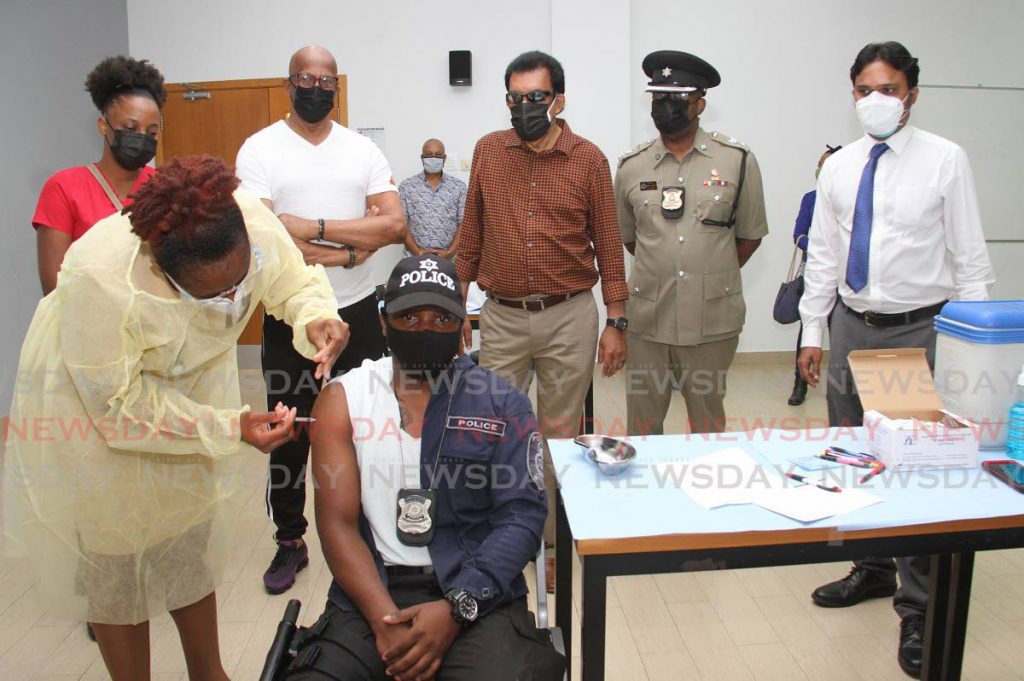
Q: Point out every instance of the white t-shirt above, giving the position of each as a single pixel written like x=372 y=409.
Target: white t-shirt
x=388 y=457
x=330 y=180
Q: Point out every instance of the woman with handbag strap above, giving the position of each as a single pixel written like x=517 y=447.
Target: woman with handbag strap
x=801 y=231
x=129 y=94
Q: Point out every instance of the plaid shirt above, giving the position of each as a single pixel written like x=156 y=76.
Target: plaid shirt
x=534 y=222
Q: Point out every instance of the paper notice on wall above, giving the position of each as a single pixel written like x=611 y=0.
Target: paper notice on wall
x=375 y=134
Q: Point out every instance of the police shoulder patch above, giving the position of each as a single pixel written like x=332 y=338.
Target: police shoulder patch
x=639 y=148
x=535 y=458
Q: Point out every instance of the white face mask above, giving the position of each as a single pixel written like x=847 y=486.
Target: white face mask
x=433 y=165
x=879 y=114
x=233 y=303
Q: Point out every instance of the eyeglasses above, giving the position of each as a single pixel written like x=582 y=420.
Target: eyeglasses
x=532 y=96
x=307 y=80
x=227 y=295
x=675 y=96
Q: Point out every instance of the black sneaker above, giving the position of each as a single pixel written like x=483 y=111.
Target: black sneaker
x=292 y=557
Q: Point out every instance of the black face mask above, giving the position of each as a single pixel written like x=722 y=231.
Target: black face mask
x=312 y=103
x=131 y=149
x=423 y=354
x=530 y=120
x=669 y=115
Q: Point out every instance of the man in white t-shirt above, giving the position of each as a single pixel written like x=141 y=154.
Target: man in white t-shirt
x=333 y=191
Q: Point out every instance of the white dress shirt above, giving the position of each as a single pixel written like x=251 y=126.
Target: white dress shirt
x=927 y=245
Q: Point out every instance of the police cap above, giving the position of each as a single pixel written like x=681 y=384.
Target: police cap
x=674 y=69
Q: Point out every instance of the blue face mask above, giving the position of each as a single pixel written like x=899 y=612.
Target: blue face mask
x=433 y=165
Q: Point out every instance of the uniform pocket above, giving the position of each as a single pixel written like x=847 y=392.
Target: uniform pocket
x=715 y=204
x=464 y=469
x=724 y=309
x=643 y=296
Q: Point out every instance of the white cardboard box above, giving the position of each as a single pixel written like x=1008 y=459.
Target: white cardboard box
x=906 y=425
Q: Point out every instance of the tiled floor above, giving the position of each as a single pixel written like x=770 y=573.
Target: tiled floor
x=713 y=626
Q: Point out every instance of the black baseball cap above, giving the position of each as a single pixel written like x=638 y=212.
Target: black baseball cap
x=423 y=280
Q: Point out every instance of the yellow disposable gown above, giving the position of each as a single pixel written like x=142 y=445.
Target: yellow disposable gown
x=124 y=455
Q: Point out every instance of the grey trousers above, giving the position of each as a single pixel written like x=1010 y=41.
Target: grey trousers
x=848 y=332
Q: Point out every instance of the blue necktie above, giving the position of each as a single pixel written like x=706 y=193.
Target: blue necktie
x=863 y=213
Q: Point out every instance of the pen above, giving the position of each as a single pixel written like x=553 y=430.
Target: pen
x=859 y=463
x=855 y=455
x=801 y=478
x=878 y=469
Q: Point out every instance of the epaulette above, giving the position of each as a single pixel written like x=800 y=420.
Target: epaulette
x=630 y=154
x=731 y=141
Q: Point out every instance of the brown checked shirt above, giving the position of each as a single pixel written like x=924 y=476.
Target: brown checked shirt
x=534 y=223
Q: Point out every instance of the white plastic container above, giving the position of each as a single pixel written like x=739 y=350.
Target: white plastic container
x=978 y=356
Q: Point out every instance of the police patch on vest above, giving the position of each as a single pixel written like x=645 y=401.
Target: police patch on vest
x=535 y=458
x=480 y=425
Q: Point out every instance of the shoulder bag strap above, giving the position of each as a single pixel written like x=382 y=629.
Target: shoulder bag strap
x=106 y=186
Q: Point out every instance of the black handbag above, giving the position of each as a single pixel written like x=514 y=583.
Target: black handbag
x=787 y=300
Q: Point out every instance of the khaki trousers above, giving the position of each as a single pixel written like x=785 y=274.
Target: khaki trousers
x=655 y=370
x=557 y=346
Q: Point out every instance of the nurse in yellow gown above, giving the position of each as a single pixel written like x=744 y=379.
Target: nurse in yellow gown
x=127 y=440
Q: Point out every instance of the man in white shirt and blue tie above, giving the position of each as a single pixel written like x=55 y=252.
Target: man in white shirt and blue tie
x=896 y=233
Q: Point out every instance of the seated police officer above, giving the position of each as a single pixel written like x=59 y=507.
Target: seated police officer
x=429 y=504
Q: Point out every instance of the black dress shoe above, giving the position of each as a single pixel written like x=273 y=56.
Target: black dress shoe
x=857 y=586
x=911 y=649
x=799 y=392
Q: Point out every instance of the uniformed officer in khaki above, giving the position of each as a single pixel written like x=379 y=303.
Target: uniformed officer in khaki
x=691 y=210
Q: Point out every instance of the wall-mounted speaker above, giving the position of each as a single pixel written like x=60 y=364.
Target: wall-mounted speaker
x=460 y=67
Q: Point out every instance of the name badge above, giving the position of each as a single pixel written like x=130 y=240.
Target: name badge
x=672 y=201
x=650 y=185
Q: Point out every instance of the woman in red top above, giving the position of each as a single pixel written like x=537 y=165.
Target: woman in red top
x=129 y=94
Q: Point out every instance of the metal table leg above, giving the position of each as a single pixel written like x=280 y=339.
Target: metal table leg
x=945 y=633
x=593 y=611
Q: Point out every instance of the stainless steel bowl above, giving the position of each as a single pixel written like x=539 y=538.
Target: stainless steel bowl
x=611 y=456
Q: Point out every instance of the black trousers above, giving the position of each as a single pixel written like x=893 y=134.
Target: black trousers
x=504 y=645
x=289 y=378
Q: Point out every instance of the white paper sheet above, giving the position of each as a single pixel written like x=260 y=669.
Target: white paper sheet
x=809 y=502
x=732 y=476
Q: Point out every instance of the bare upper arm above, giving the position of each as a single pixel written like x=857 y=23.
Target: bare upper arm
x=335 y=467
x=388 y=202
x=51 y=246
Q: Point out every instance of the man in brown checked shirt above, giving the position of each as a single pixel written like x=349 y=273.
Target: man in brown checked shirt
x=539 y=210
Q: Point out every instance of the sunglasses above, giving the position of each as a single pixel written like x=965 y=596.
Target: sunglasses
x=534 y=96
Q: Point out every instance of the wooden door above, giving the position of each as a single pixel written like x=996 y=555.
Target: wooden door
x=216 y=117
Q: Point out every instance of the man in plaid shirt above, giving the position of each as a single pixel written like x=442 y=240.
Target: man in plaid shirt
x=539 y=223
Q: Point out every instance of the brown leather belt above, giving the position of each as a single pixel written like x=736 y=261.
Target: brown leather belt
x=898 y=319
x=536 y=305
